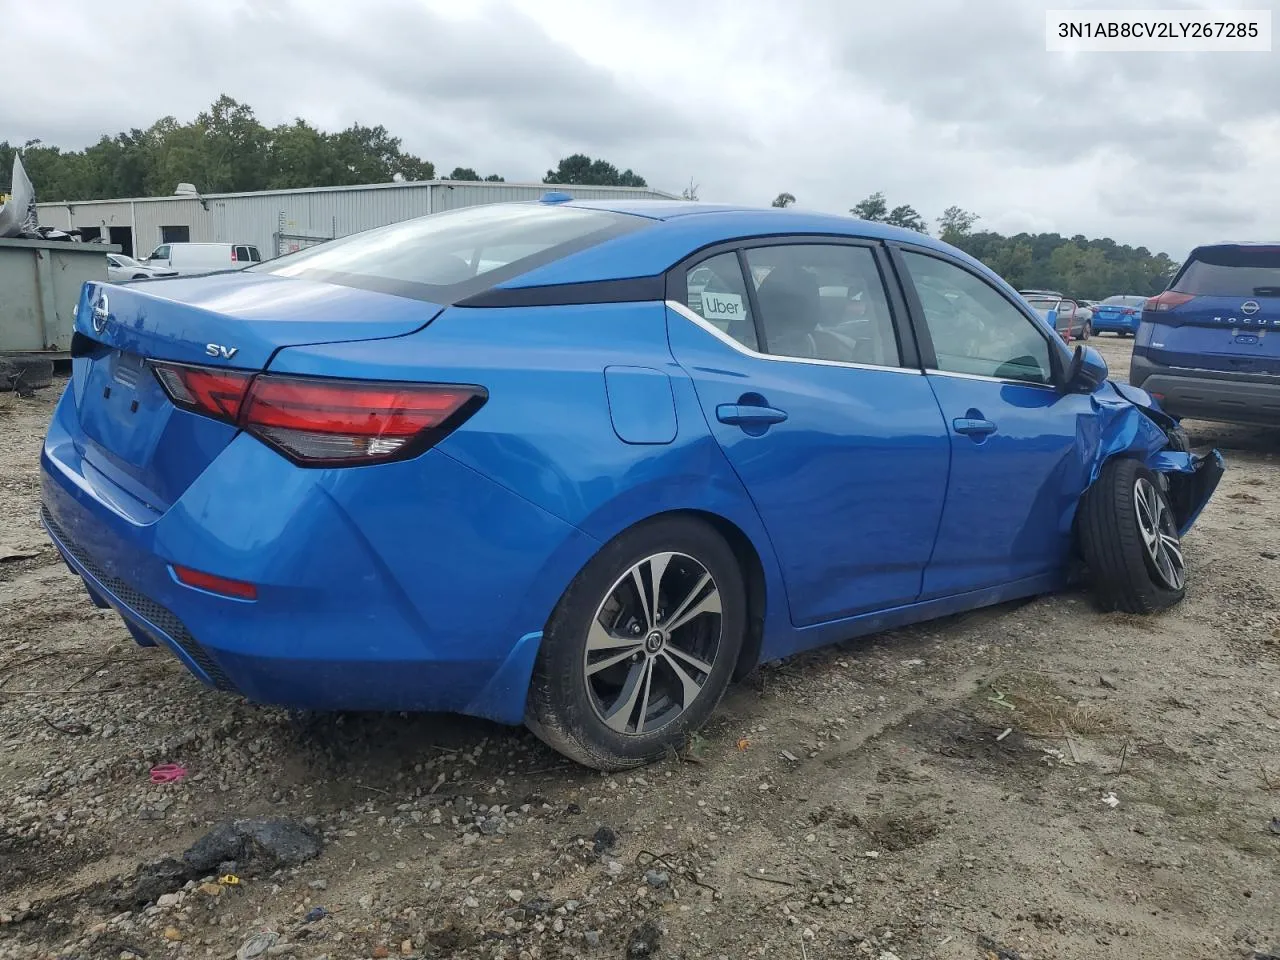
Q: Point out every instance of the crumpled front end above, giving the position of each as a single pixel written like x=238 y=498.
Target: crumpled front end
x=1128 y=422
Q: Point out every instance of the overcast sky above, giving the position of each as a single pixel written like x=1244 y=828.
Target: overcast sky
x=935 y=102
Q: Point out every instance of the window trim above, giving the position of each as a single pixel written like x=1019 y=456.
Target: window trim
x=1058 y=359
x=686 y=312
x=677 y=294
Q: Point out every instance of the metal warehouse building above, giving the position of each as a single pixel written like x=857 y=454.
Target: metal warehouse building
x=281 y=221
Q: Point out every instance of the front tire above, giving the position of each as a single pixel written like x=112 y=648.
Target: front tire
x=1129 y=540
x=641 y=647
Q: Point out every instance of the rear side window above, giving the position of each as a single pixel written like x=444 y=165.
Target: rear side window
x=241 y=255
x=449 y=256
x=1231 y=271
x=718 y=295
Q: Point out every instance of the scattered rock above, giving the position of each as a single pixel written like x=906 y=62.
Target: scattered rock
x=644 y=941
x=592 y=939
x=315 y=914
x=268 y=843
x=658 y=879
x=153 y=881
x=173 y=934
x=257 y=945
x=515 y=895
x=605 y=840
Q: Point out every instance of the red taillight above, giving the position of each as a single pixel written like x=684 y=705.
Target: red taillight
x=234 y=258
x=318 y=421
x=215 y=393
x=215 y=584
x=346 y=420
x=1167 y=300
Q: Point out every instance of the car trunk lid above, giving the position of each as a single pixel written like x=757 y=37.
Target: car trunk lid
x=133 y=433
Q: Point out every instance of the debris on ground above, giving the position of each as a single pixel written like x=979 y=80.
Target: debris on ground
x=605 y=840
x=994 y=951
x=644 y=941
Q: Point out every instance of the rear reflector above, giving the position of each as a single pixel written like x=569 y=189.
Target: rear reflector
x=319 y=421
x=1167 y=301
x=215 y=584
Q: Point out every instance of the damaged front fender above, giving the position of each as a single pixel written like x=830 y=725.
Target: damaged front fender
x=1127 y=422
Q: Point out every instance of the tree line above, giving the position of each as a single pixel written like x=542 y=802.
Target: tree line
x=225 y=149
x=1088 y=269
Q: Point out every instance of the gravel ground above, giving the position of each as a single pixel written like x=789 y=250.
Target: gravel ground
x=1036 y=780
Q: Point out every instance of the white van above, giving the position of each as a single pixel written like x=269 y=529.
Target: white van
x=190 y=258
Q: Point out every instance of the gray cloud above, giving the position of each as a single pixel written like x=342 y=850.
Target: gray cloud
x=934 y=101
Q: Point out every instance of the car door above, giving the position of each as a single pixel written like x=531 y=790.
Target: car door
x=159 y=257
x=822 y=411
x=1015 y=472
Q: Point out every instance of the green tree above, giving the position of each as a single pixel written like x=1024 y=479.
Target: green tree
x=494 y=178
x=579 y=169
x=906 y=216
x=783 y=200
x=873 y=208
x=955 y=224
x=463 y=173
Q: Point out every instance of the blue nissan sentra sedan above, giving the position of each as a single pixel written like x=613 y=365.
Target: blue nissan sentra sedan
x=1119 y=315
x=581 y=464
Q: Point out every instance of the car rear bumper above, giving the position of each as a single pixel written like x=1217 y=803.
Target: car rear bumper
x=366 y=600
x=1209 y=394
x=1114 y=325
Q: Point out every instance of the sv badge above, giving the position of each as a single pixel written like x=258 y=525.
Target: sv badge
x=218 y=350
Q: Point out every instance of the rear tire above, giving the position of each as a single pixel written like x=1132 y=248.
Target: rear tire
x=1086 y=331
x=1129 y=541
x=612 y=688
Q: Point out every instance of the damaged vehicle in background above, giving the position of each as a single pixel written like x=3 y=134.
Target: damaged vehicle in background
x=580 y=464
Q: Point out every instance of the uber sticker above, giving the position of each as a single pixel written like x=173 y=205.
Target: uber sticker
x=722 y=306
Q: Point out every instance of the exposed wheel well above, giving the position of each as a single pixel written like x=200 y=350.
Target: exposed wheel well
x=752 y=575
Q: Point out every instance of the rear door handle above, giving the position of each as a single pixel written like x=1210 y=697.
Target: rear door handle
x=741 y=413
x=973 y=427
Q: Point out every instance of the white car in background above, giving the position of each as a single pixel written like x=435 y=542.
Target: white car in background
x=120 y=267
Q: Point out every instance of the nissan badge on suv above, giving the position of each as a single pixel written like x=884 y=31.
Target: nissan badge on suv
x=1209 y=346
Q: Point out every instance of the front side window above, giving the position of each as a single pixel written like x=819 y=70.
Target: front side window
x=718 y=294
x=823 y=302
x=454 y=254
x=974 y=329
x=161 y=253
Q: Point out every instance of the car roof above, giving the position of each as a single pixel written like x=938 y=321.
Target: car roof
x=680 y=228
x=776 y=219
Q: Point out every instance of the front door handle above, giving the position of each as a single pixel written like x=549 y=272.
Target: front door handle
x=741 y=414
x=973 y=426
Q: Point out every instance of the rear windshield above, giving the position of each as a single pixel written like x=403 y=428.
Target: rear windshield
x=1231 y=272
x=1125 y=301
x=448 y=256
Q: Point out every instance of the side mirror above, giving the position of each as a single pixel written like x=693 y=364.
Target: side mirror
x=1086 y=372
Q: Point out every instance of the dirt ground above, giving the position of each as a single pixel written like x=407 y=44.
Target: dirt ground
x=1036 y=780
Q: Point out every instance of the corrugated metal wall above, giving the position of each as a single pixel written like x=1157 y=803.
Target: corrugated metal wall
x=327 y=212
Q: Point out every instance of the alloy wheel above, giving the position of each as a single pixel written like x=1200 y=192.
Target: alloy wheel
x=1159 y=535
x=652 y=643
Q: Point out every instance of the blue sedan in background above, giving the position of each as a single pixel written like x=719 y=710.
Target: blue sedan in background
x=1120 y=315
x=581 y=464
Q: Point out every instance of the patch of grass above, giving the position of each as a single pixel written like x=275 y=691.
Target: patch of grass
x=1036 y=706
